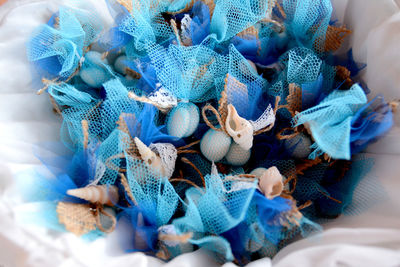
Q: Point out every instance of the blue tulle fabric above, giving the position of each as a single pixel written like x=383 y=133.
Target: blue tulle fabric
x=56 y=49
x=330 y=122
x=160 y=59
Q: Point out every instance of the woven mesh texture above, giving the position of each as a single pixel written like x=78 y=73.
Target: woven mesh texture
x=57 y=49
x=330 y=121
x=145 y=104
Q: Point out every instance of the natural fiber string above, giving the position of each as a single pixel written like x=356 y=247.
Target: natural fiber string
x=47 y=82
x=176 y=32
x=127 y=188
x=185 y=181
x=306 y=165
x=326 y=195
x=280 y=135
x=187 y=161
x=307 y=204
x=283 y=14
x=208 y=107
x=56 y=108
x=85 y=130
x=112 y=166
x=184 y=238
x=99 y=210
x=132 y=73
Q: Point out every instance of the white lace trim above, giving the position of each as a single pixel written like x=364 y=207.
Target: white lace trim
x=267 y=118
x=164 y=98
x=185 y=28
x=168 y=155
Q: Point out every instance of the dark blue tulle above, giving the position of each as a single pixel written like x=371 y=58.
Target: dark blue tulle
x=145 y=128
x=200 y=25
x=140 y=235
x=370 y=122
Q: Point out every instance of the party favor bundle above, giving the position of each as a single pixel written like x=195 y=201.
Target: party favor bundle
x=230 y=126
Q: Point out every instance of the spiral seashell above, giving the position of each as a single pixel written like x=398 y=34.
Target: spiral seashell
x=215 y=145
x=270 y=181
x=150 y=157
x=237 y=156
x=239 y=129
x=299 y=146
x=101 y=194
x=183 y=120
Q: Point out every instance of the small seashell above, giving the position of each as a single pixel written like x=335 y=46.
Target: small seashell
x=150 y=157
x=270 y=181
x=102 y=194
x=120 y=65
x=94 y=77
x=240 y=129
x=237 y=156
x=299 y=146
x=183 y=120
x=215 y=145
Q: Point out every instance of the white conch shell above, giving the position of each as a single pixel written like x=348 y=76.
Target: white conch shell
x=270 y=181
x=102 y=194
x=150 y=157
x=239 y=129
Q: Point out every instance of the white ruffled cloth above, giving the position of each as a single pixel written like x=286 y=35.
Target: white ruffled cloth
x=371 y=238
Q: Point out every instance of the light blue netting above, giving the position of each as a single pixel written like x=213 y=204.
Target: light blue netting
x=244 y=86
x=57 y=49
x=102 y=117
x=187 y=72
x=151 y=191
x=307 y=22
x=193 y=50
x=68 y=95
x=330 y=122
x=231 y=17
x=213 y=211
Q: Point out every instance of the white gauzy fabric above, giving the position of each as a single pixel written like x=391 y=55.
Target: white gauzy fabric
x=369 y=239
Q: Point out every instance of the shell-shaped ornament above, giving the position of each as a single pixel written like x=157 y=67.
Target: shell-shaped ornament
x=240 y=129
x=150 y=157
x=101 y=194
x=270 y=181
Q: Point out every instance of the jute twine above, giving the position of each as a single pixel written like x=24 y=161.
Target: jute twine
x=83 y=218
x=57 y=80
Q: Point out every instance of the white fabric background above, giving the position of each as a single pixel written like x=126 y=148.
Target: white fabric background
x=369 y=239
